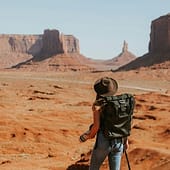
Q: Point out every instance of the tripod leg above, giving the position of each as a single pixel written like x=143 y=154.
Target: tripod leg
x=127 y=160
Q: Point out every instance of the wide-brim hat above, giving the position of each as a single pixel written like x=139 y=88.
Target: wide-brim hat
x=106 y=86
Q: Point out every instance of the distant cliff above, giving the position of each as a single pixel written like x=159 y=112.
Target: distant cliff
x=19 y=48
x=159 y=45
x=160 y=35
x=123 y=58
x=19 y=43
x=54 y=43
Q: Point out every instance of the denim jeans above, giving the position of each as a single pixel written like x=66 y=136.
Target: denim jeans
x=103 y=148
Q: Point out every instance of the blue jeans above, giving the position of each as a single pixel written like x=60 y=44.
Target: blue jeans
x=103 y=148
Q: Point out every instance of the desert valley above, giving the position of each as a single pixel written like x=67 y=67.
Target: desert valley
x=46 y=96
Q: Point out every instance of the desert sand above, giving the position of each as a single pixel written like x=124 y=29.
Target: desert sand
x=42 y=115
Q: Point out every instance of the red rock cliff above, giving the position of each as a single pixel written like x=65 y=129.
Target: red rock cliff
x=160 y=35
x=18 y=48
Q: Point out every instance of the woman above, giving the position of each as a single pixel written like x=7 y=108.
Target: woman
x=104 y=147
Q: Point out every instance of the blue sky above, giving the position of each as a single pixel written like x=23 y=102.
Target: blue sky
x=100 y=25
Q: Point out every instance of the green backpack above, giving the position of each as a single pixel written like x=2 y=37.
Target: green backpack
x=116 y=115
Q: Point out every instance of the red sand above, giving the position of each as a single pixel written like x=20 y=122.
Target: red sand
x=43 y=114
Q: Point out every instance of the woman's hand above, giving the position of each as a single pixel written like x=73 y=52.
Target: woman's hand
x=126 y=145
x=95 y=108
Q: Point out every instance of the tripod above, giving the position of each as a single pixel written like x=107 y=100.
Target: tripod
x=129 y=168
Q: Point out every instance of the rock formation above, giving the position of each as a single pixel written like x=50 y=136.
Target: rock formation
x=125 y=47
x=16 y=48
x=51 y=45
x=123 y=58
x=55 y=43
x=18 y=43
x=70 y=44
x=19 y=48
x=160 y=35
x=159 y=45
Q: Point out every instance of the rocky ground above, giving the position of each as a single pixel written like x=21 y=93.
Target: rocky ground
x=42 y=115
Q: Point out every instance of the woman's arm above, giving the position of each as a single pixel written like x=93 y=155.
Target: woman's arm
x=96 y=121
x=94 y=127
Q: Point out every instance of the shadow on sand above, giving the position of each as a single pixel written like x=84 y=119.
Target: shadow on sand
x=82 y=164
x=78 y=167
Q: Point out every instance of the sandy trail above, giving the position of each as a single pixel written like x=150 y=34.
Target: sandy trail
x=26 y=77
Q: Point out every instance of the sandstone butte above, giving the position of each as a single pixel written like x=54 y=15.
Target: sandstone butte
x=54 y=51
x=159 y=47
x=51 y=51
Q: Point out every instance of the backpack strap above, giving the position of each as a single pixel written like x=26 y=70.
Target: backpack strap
x=119 y=98
x=120 y=102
